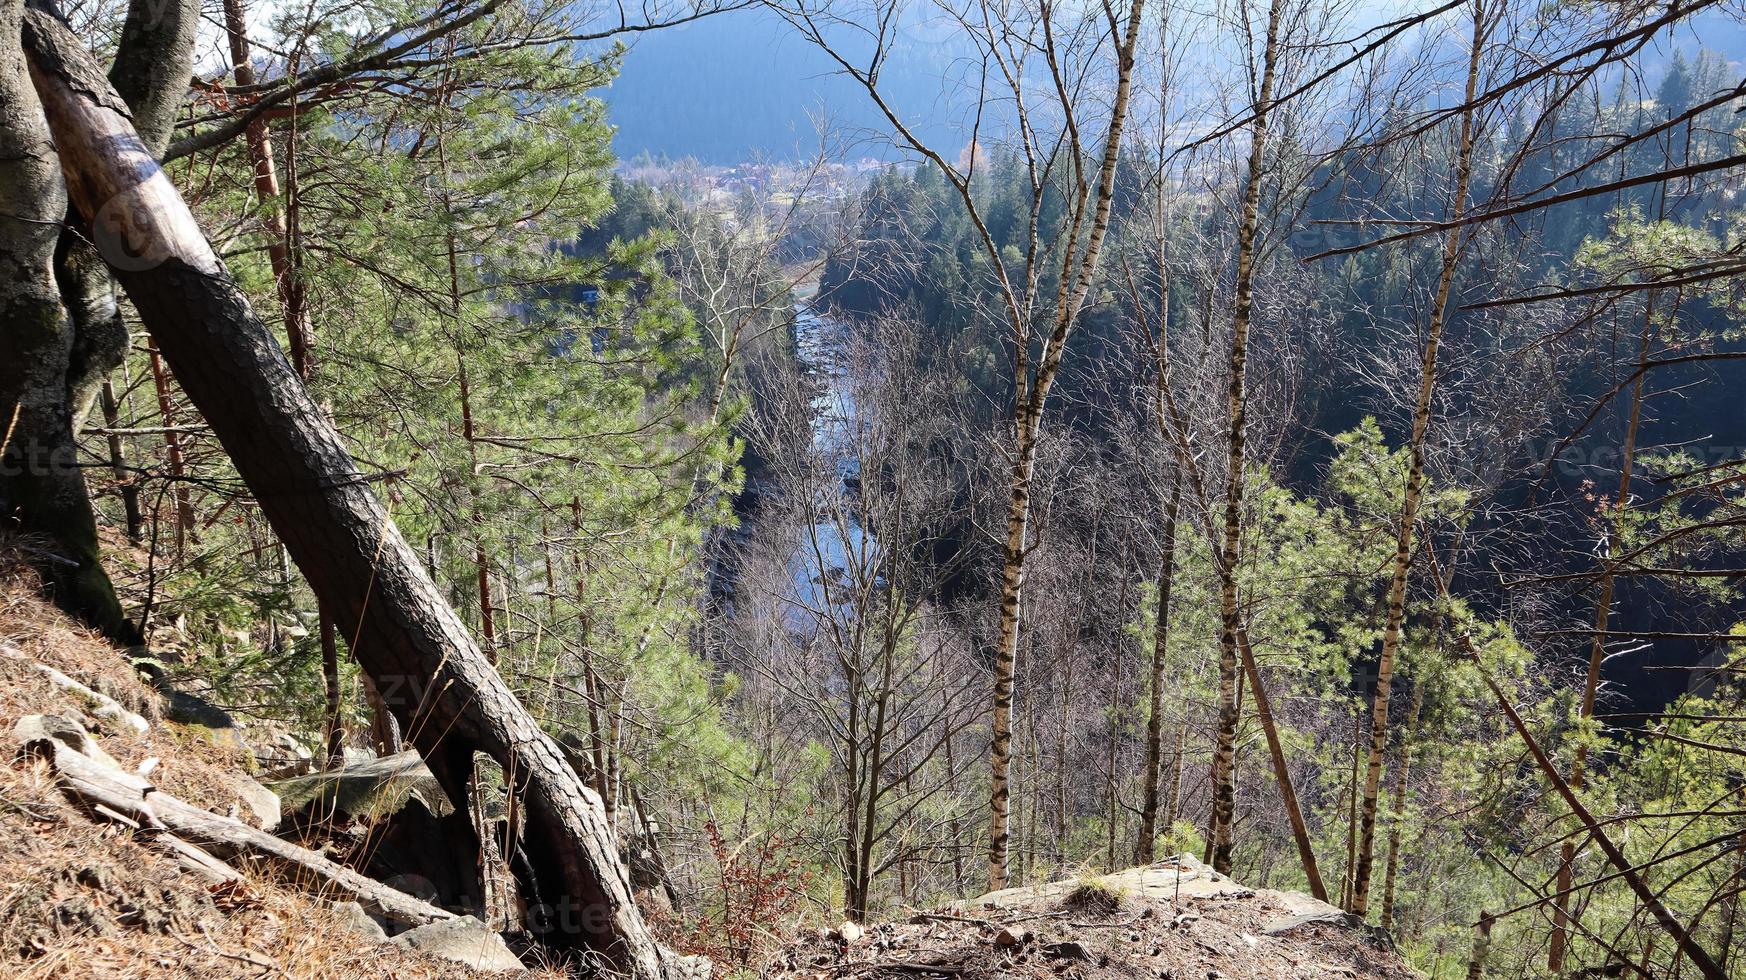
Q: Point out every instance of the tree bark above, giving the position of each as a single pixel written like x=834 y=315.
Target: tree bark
x=1224 y=793
x=432 y=675
x=1306 y=853
x=119 y=467
x=154 y=59
x=1409 y=509
x=1398 y=816
x=42 y=488
x=298 y=331
x=1146 y=852
x=1597 y=651
x=1030 y=398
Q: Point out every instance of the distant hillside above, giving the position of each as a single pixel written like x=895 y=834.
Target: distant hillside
x=743 y=85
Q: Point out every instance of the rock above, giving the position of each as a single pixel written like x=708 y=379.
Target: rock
x=261 y=803
x=371 y=790
x=849 y=932
x=1010 y=936
x=353 y=917
x=32 y=729
x=1067 y=951
x=1285 y=924
x=692 y=968
x=280 y=756
x=105 y=708
x=207 y=719
x=465 y=940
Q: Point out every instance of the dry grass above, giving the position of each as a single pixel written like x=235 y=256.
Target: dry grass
x=1094 y=896
x=84 y=899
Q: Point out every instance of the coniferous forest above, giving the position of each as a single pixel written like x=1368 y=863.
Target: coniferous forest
x=902 y=488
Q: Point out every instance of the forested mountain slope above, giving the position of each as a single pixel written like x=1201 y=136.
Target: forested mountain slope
x=1297 y=435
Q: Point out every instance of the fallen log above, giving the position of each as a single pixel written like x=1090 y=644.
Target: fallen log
x=200 y=839
x=446 y=695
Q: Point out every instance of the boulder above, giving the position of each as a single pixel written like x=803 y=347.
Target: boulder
x=465 y=940
x=367 y=791
x=261 y=805
x=279 y=756
x=352 y=916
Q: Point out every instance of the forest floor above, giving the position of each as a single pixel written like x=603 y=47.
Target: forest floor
x=83 y=897
x=1175 y=920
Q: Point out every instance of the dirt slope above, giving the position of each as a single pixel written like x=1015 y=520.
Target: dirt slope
x=1171 y=921
x=83 y=898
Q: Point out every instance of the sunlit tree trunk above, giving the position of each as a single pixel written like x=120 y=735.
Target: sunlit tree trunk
x=1561 y=915
x=1415 y=481
x=1398 y=818
x=1224 y=793
x=294 y=461
x=1281 y=769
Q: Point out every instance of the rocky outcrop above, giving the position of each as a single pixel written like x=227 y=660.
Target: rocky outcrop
x=1174 y=919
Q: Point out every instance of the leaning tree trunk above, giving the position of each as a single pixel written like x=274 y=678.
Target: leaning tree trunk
x=1300 y=834
x=428 y=669
x=154 y=59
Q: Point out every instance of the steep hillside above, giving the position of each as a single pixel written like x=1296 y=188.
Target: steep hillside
x=88 y=896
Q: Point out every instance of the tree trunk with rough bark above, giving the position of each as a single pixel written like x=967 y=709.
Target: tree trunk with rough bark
x=42 y=488
x=432 y=675
x=1415 y=482
x=1281 y=770
x=1397 y=818
x=1224 y=792
x=1031 y=396
x=1146 y=852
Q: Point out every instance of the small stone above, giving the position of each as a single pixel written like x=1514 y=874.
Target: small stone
x=1010 y=936
x=1066 y=951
